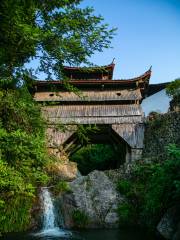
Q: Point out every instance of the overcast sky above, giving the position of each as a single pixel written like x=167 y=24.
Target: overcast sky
x=148 y=34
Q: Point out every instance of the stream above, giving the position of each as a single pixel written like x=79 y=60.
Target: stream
x=51 y=231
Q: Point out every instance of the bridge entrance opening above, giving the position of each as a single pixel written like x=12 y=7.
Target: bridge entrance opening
x=103 y=149
x=96 y=157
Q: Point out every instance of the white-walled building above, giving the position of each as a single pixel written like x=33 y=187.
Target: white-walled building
x=157 y=100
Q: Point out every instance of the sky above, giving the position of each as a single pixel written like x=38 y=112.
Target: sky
x=148 y=34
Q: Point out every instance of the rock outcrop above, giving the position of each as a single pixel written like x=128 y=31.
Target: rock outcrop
x=96 y=197
x=169 y=226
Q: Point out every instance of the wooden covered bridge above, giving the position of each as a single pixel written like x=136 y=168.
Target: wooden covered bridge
x=112 y=105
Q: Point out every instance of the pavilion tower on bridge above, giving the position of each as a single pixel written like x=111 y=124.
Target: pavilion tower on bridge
x=112 y=105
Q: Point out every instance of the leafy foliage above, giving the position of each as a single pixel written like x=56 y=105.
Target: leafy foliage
x=152 y=189
x=18 y=111
x=55 y=32
x=95 y=156
x=127 y=214
x=61 y=186
x=80 y=219
x=173 y=88
x=22 y=158
x=124 y=186
x=83 y=133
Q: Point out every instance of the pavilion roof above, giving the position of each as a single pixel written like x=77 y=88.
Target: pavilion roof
x=141 y=82
x=94 y=72
x=79 y=82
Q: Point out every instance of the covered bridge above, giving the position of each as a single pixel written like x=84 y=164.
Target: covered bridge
x=112 y=105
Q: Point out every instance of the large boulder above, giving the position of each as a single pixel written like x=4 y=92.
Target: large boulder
x=169 y=225
x=96 y=197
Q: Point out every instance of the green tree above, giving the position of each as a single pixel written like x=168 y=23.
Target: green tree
x=173 y=89
x=55 y=32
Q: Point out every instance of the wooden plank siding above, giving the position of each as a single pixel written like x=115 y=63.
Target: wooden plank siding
x=93 y=114
x=111 y=95
x=95 y=120
x=96 y=110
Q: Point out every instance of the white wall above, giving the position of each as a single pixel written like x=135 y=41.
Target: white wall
x=158 y=102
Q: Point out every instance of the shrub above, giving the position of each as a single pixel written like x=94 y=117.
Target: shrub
x=61 y=186
x=124 y=186
x=151 y=190
x=80 y=219
x=127 y=214
x=23 y=157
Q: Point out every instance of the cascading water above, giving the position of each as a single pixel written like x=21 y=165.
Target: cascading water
x=50 y=226
x=48 y=210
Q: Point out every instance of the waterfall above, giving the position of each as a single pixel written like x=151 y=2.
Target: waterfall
x=49 y=224
x=49 y=221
